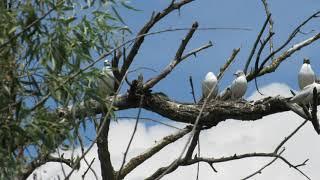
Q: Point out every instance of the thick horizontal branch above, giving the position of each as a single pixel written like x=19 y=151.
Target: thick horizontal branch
x=213 y=113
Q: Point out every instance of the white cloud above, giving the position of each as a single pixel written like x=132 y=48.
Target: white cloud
x=227 y=138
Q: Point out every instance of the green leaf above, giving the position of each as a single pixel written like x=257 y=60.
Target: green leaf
x=118 y=15
x=128 y=6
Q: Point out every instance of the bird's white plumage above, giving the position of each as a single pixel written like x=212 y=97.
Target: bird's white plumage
x=239 y=86
x=106 y=82
x=305 y=96
x=210 y=82
x=237 y=89
x=306 y=75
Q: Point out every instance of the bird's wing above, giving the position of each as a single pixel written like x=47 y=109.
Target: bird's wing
x=234 y=88
x=306 y=76
x=302 y=95
x=225 y=94
x=205 y=88
x=105 y=83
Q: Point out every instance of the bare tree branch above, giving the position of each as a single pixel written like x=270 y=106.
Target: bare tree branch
x=277 y=61
x=268 y=13
x=145 y=29
x=263 y=44
x=262 y=168
x=192 y=89
x=89 y=167
x=292 y=35
x=177 y=59
x=228 y=63
x=193 y=144
x=242 y=156
x=132 y=136
x=256 y=44
x=115 y=68
x=290 y=135
x=136 y=161
x=186 y=161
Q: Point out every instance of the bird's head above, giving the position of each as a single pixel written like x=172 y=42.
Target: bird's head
x=107 y=63
x=239 y=73
x=210 y=75
x=306 y=61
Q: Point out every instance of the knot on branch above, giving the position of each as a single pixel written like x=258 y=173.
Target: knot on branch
x=136 y=89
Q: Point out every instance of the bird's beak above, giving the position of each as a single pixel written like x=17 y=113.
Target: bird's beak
x=235 y=74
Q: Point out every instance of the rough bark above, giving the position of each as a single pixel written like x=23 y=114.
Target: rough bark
x=214 y=112
x=107 y=171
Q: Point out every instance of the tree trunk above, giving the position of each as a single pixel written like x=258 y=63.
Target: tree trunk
x=107 y=171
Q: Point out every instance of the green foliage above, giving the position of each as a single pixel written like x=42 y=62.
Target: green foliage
x=37 y=61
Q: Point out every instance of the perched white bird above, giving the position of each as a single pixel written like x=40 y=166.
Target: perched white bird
x=237 y=89
x=106 y=82
x=209 y=83
x=306 y=75
x=305 y=96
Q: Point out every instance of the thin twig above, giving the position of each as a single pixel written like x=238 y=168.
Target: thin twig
x=136 y=161
x=228 y=63
x=177 y=59
x=85 y=160
x=62 y=168
x=268 y=13
x=89 y=167
x=263 y=167
x=192 y=89
x=149 y=119
x=198 y=164
x=132 y=136
x=256 y=44
x=263 y=44
x=290 y=135
x=155 y=17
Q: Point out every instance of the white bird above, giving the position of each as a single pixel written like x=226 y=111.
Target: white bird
x=106 y=82
x=305 y=96
x=209 y=83
x=237 y=89
x=306 y=75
